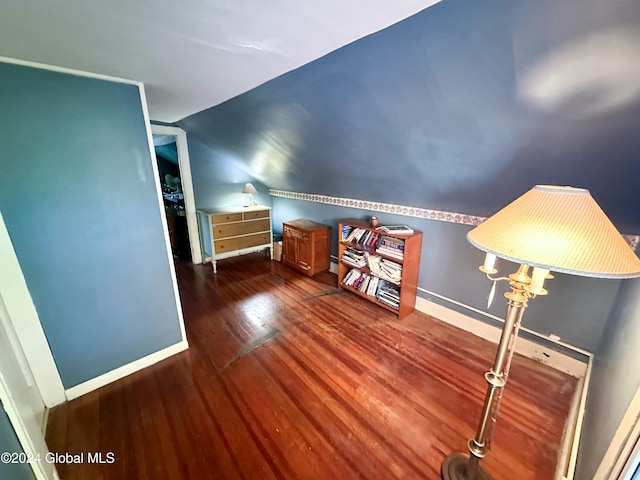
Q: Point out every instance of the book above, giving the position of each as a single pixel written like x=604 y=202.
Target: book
x=391 y=247
x=397 y=229
x=384 y=269
x=346 y=230
x=389 y=294
x=354 y=258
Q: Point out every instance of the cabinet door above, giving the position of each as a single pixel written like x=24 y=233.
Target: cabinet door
x=296 y=248
x=289 y=246
x=304 y=252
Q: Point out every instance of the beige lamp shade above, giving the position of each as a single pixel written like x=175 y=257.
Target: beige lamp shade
x=249 y=188
x=561 y=229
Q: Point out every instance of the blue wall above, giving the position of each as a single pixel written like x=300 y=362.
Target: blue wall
x=80 y=204
x=452 y=110
x=615 y=378
x=9 y=443
x=218 y=178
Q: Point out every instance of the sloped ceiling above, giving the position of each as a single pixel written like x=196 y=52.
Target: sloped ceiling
x=462 y=107
x=190 y=54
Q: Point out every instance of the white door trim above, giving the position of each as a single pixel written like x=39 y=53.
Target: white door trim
x=163 y=218
x=184 y=164
x=24 y=411
x=628 y=465
x=42 y=469
x=615 y=459
x=26 y=323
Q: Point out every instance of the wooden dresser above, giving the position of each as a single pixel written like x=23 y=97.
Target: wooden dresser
x=237 y=231
x=306 y=246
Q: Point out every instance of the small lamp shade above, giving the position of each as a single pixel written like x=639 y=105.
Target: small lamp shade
x=249 y=188
x=561 y=229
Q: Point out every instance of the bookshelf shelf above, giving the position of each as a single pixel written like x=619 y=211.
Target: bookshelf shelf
x=389 y=280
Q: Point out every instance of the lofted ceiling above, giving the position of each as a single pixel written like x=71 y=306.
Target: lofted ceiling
x=193 y=54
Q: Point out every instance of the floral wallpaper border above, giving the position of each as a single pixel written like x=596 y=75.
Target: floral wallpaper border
x=417 y=212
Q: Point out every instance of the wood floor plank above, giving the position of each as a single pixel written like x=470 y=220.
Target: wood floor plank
x=288 y=377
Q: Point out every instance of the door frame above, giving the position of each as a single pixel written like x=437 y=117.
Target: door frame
x=624 y=445
x=22 y=318
x=26 y=323
x=31 y=442
x=184 y=164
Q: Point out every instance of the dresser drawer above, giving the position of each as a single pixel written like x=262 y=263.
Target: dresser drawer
x=238 y=243
x=294 y=232
x=237 y=231
x=226 y=218
x=243 y=228
x=253 y=214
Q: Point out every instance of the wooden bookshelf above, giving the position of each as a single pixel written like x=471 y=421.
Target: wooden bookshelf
x=410 y=262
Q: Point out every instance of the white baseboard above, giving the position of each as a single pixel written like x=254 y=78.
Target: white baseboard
x=525 y=347
x=333 y=266
x=557 y=360
x=622 y=445
x=121 y=372
x=571 y=443
x=580 y=369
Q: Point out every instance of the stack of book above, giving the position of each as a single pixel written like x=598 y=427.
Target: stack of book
x=361 y=236
x=383 y=268
x=351 y=277
x=354 y=258
x=370 y=240
x=354 y=235
x=367 y=284
x=389 y=294
x=372 y=288
x=391 y=271
x=346 y=231
x=358 y=280
x=391 y=247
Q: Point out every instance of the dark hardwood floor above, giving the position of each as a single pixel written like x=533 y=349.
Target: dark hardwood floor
x=288 y=378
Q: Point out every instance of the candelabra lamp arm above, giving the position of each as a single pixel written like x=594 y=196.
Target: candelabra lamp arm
x=496 y=279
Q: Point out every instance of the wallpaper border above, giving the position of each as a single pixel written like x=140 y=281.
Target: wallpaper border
x=439 y=215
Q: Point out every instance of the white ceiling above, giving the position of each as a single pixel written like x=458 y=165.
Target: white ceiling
x=190 y=54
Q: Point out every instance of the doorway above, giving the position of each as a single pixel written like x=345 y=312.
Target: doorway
x=172 y=195
x=174 y=175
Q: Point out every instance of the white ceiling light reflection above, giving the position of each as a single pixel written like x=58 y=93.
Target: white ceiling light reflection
x=594 y=74
x=271 y=161
x=259 y=310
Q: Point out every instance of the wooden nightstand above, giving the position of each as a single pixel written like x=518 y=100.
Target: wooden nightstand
x=306 y=246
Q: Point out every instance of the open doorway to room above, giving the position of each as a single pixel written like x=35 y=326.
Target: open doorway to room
x=174 y=176
x=172 y=195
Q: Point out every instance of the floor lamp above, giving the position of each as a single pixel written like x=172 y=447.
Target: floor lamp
x=549 y=228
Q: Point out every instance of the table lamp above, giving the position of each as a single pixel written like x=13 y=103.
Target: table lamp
x=549 y=228
x=251 y=191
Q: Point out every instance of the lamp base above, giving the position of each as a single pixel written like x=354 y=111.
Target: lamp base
x=454 y=467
